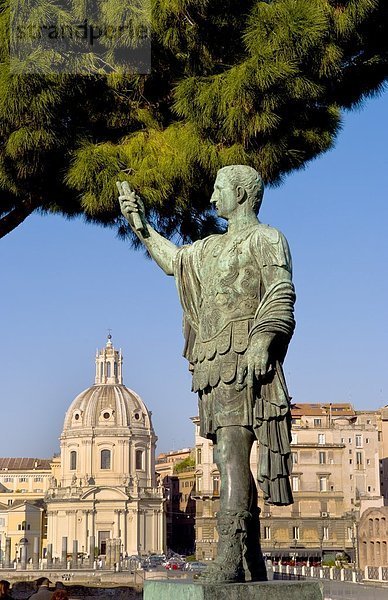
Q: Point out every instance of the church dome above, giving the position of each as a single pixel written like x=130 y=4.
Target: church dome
x=108 y=403
x=108 y=436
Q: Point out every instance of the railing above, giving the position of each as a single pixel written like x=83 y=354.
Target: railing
x=376 y=573
x=333 y=573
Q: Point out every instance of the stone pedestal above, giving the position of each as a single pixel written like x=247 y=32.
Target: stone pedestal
x=266 y=590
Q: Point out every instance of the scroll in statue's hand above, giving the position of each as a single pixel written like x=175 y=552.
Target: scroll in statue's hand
x=131 y=206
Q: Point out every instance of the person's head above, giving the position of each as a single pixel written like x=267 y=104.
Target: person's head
x=60 y=595
x=42 y=582
x=59 y=585
x=235 y=185
x=4 y=587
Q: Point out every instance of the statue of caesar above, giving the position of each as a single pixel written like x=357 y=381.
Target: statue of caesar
x=237 y=296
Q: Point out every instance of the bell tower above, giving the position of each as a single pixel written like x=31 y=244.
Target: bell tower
x=109 y=365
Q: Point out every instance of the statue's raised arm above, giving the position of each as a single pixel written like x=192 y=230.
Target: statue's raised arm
x=162 y=250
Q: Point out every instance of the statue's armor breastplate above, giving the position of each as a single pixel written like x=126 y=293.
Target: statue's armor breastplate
x=232 y=288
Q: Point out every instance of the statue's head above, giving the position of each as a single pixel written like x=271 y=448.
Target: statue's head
x=247 y=178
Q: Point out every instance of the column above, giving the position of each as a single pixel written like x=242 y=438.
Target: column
x=92 y=544
x=74 y=558
x=108 y=555
x=7 y=552
x=125 y=531
x=24 y=556
x=116 y=533
x=117 y=550
x=35 y=554
x=92 y=538
x=86 y=518
x=162 y=529
x=64 y=552
x=49 y=555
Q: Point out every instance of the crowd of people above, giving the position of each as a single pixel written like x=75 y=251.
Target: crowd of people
x=42 y=590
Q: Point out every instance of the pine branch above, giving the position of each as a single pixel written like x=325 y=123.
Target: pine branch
x=17 y=215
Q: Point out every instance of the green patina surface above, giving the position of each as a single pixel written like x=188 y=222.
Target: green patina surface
x=238 y=299
x=279 y=590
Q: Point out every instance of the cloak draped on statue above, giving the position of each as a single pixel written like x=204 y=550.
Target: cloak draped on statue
x=233 y=288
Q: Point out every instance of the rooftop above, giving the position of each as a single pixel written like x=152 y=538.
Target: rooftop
x=24 y=464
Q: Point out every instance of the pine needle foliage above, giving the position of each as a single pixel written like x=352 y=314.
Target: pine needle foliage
x=256 y=82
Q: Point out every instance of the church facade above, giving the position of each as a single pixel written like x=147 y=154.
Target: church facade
x=103 y=493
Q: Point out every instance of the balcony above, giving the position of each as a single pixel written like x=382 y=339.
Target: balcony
x=199 y=493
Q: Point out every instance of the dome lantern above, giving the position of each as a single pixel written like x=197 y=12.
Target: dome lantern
x=109 y=365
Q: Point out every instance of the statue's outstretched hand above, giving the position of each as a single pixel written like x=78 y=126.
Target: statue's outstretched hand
x=131 y=206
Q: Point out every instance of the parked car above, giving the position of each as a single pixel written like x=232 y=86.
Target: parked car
x=175 y=565
x=195 y=567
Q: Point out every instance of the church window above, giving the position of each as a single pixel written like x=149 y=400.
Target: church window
x=108 y=369
x=106 y=415
x=73 y=460
x=101 y=370
x=115 y=369
x=105 y=459
x=139 y=460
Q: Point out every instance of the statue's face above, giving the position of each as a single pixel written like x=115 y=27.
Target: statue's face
x=224 y=197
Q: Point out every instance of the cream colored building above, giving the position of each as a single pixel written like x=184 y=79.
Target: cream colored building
x=336 y=476
x=23 y=485
x=176 y=472
x=106 y=487
x=383 y=450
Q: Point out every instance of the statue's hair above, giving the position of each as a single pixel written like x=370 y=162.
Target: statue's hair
x=249 y=179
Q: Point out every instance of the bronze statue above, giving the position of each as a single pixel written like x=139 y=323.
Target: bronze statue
x=237 y=296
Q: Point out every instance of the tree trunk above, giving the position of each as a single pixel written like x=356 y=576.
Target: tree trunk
x=16 y=216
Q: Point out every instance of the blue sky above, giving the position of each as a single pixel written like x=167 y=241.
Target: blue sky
x=65 y=283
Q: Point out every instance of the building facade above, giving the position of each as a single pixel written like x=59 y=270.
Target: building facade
x=335 y=478
x=176 y=472
x=23 y=485
x=105 y=491
x=373 y=537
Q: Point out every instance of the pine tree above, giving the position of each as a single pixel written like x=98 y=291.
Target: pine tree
x=255 y=82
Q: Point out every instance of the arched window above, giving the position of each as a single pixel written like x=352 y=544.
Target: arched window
x=115 y=368
x=73 y=460
x=105 y=459
x=102 y=370
x=139 y=460
x=108 y=369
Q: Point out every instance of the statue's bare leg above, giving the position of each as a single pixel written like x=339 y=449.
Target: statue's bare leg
x=231 y=455
x=239 y=556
